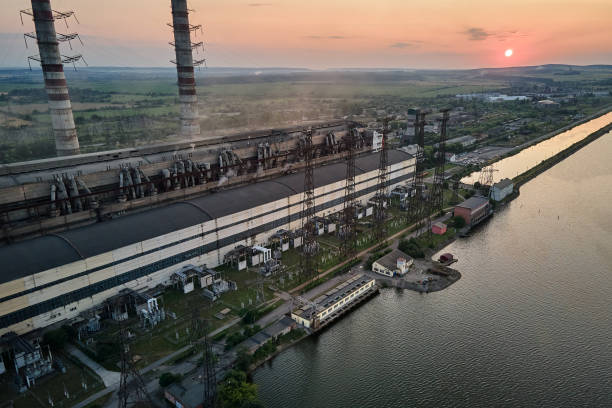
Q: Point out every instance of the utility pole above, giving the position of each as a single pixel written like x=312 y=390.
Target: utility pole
x=309 y=239
x=349 y=233
x=382 y=187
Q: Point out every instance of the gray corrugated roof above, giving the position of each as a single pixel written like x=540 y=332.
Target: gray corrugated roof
x=105 y=236
x=32 y=256
x=38 y=254
x=474 y=202
x=503 y=183
x=389 y=261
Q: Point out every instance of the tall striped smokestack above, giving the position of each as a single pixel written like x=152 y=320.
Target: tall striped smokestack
x=66 y=140
x=190 y=125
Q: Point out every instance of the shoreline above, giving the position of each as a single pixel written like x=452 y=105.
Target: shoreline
x=557 y=158
x=517 y=149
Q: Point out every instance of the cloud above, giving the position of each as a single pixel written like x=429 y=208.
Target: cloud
x=402 y=45
x=476 y=34
x=327 y=37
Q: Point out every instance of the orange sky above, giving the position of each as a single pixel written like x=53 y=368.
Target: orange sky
x=336 y=33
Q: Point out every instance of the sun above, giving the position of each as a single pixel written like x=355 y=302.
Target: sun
x=508 y=52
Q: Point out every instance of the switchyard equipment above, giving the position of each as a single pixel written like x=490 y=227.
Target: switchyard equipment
x=381 y=197
x=51 y=61
x=183 y=47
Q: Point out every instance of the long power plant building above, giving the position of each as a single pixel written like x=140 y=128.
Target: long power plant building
x=54 y=277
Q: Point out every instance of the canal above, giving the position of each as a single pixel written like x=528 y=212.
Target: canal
x=512 y=166
x=529 y=324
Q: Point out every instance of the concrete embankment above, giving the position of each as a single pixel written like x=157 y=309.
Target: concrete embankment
x=521 y=147
x=548 y=163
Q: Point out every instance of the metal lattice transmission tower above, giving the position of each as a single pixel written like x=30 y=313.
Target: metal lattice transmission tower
x=416 y=209
x=455 y=197
x=52 y=63
x=436 y=197
x=309 y=236
x=200 y=340
x=349 y=234
x=132 y=389
x=486 y=179
x=183 y=47
x=381 y=197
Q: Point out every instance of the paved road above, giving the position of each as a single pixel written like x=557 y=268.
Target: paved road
x=108 y=377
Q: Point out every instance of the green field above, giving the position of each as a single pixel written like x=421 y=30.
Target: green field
x=131 y=108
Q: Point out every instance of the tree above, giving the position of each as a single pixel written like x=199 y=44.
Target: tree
x=458 y=222
x=244 y=359
x=236 y=392
x=168 y=378
x=56 y=338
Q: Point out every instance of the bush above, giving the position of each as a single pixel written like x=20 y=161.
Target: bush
x=458 y=222
x=243 y=360
x=236 y=392
x=411 y=247
x=168 y=378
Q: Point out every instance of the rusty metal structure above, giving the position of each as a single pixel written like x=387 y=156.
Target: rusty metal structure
x=436 y=198
x=309 y=236
x=487 y=175
x=349 y=228
x=200 y=340
x=52 y=63
x=382 y=194
x=132 y=389
x=416 y=207
x=183 y=47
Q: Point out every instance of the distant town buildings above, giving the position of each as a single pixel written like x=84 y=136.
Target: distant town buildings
x=547 y=103
x=462 y=140
x=493 y=97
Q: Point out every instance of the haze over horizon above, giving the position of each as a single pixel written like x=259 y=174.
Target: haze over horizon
x=389 y=34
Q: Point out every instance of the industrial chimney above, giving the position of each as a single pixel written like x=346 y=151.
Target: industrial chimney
x=66 y=140
x=190 y=125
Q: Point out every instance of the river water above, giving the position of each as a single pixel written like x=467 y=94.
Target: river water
x=529 y=324
x=512 y=166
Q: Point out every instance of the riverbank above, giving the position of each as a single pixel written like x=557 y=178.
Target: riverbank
x=550 y=162
x=521 y=147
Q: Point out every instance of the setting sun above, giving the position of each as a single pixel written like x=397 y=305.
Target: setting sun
x=508 y=52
